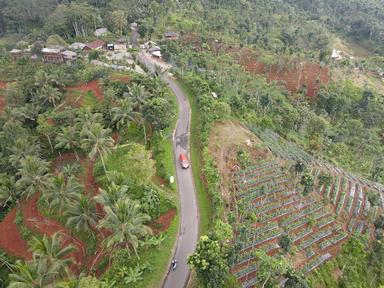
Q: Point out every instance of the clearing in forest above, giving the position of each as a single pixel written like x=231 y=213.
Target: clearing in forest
x=295 y=77
x=84 y=95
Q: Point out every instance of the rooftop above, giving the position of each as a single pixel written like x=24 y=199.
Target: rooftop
x=96 y=44
x=51 y=50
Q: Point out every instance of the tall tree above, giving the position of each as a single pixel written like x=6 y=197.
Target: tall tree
x=209 y=262
x=82 y=213
x=34 y=175
x=60 y=191
x=97 y=141
x=127 y=224
x=119 y=21
x=51 y=251
x=68 y=138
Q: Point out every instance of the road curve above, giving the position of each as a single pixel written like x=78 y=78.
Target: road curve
x=189 y=217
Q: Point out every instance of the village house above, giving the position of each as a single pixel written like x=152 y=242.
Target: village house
x=95 y=45
x=17 y=54
x=52 y=55
x=69 y=57
x=121 y=44
x=171 y=35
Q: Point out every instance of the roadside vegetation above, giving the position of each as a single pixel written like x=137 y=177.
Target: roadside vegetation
x=78 y=163
x=81 y=146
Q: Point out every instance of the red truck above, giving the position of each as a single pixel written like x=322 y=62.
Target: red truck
x=184 y=162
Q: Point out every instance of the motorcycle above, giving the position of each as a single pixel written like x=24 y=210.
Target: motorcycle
x=174 y=264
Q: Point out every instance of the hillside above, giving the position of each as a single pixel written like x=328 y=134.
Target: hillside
x=264 y=190
x=286 y=142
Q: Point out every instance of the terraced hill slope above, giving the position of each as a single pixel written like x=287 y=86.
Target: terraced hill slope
x=269 y=202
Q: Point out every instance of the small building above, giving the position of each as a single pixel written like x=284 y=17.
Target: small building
x=95 y=45
x=101 y=32
x=336 y=55
x=52 y=55
x=77 y=46
x=17 y=54
x=121 y=44
x=154 y=49
x=69 y=57
x=156 y=54
x=171 y=35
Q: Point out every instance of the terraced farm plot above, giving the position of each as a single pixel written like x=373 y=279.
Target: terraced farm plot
x=317 y=224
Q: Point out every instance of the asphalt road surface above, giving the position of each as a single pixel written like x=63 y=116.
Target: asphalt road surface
x=189 y=218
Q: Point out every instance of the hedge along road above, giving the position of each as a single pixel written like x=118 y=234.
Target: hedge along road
x=189 y=224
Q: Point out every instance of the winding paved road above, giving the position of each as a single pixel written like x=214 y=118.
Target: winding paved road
x=189 y=218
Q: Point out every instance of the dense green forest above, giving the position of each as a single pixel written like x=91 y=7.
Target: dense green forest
x=343 y=124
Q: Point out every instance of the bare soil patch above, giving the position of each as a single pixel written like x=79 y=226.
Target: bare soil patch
x=82 y=94
x=34 y=221
x=162 y=223
x=224 y=141
x=10 y=239
x=293 y=76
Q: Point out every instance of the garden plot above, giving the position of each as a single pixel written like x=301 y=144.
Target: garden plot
x=282 y=148
x=271 y=205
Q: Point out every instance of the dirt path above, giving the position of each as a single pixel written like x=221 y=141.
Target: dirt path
x=34 y=221
x=10 y=239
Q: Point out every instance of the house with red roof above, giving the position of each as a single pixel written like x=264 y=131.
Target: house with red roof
x=95 y=45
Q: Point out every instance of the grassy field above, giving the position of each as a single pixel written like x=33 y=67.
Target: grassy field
x=196 y=159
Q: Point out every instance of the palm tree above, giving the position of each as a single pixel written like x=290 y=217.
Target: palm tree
x=111 y=195
x=123 y=114
x=60 y=191
x=33 y=274
x=138 y=96
x=126 y=223
x=50 y=249
x=8 y=192
x=21 y=148
x=86 y=118
x=34 y=175
x=82 y=213
x=98 y=141
x=68 y=139
x=70 y=169
x=119 y=20
x=48 y=94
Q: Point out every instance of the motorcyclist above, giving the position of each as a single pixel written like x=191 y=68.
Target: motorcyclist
x=174 y=263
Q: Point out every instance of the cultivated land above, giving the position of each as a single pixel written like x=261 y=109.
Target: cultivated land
x=33 y=218
x=266 y=187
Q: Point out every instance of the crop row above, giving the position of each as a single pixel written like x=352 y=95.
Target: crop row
x=315 y=238
x=261 y=239
x=255 y=173
x=259 y=181
x=302 y=234
x=334 y=240
x=250 y=169
x=316 y=262
x=248 y=269
x=307 y=211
